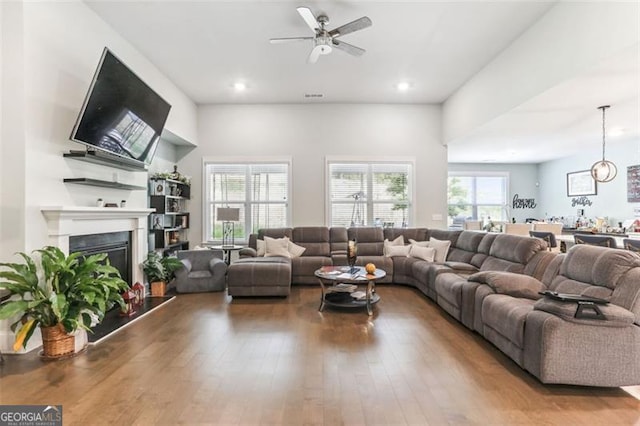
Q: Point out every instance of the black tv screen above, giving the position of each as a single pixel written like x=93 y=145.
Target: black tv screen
x=121 y=114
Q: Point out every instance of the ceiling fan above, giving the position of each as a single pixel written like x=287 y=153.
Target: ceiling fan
x=324 y=41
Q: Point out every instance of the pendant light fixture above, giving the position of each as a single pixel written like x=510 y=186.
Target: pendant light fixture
x=603 y=171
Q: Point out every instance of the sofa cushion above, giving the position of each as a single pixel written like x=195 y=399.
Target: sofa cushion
x=399 y=241
x=515 y=248
x=506 y=315
x=424 y=253
x=441 y=247
x=418 y=243
x=461 y=266
x=369 y=239
x=516 y=285
x=598 y=265
x=615 y=316
x=295 y=250
x=397 y=251
x=260 y=248
x=316 y=240
x=276 y=247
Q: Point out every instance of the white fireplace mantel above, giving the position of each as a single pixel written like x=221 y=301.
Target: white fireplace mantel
x=66 y=221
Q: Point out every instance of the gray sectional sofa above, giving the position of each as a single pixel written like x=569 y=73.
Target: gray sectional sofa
x=491 y=283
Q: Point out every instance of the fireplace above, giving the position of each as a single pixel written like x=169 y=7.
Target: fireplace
x=117 y=246
x=66 y=223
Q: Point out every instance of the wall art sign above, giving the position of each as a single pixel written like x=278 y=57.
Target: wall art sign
x=633 y=184
x=581 y=201
x=580 y=184
x=523 y=203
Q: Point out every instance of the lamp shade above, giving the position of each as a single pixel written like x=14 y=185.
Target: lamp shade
x=229 y=214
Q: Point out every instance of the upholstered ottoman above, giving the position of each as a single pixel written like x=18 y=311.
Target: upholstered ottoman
x=259 y=276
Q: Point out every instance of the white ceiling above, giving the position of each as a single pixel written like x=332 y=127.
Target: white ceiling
x=204 y=47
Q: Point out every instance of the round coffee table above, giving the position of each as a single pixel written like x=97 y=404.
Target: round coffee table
x=344 y=274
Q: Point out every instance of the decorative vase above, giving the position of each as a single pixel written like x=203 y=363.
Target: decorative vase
x=56 y=342
x=352 y=255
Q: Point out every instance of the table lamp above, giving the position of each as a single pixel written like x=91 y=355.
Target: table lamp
x=228 y=215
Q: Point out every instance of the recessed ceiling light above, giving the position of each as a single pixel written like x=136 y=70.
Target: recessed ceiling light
x=239 y=86
x=403 y=86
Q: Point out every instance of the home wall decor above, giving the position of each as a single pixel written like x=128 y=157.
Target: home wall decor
x=580 y=184
x=633 y=184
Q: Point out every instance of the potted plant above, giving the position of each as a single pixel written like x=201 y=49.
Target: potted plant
x=159 y=271
x=59 y=293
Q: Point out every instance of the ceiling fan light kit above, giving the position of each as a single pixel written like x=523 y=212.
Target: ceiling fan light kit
x=604 y=170
x=324 y=41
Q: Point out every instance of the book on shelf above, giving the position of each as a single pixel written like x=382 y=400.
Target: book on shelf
x=359 y=295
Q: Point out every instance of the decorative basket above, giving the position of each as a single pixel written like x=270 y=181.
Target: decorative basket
x=56 y=342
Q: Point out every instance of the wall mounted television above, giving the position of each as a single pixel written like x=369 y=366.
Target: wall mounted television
x=121 y=114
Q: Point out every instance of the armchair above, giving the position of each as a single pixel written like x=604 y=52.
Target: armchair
x=203 y=270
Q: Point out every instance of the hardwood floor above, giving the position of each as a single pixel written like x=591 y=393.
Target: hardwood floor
x=205 y=359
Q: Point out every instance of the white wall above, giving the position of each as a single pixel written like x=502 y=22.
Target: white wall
x=13 y=145
x=611 y=200
x=522 y=181
x=570 y=38
x=63 y=42
x=309 y=133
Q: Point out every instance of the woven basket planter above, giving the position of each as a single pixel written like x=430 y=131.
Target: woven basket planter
x=56 y=342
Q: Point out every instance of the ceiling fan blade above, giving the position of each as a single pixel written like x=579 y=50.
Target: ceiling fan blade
x=315 y=54
x=349 y=48
x=288 y=39
x=308 y=17
x=356 y=25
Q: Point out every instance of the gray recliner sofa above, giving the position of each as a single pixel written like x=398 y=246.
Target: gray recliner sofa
x=491 y=283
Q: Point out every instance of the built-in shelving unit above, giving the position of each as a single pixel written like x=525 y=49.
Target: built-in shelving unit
x=169 y=224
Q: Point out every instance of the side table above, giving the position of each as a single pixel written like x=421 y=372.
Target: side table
x=226 y=250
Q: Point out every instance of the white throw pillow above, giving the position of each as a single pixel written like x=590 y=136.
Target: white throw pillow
x=442 y=248
x=421 y=252
x=419 y=243
x=397 y=242
x=276 y=247
x=398 y=251
x=295 y=250
x=260 y=247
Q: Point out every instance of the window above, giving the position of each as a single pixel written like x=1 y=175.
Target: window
x=259 y=190
x=370 y=193
x=477 y=196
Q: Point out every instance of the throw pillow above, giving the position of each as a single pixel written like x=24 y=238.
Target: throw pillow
x=295 y=250
x=442 y=249
x=419 y=243
x=398 y=251
x=424 y=253
x=510 y=283
x=276 y=247
x=260 y=247
x=397 y=242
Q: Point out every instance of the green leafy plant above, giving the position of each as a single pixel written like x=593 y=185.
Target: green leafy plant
x=53 y=289
x=158 y=268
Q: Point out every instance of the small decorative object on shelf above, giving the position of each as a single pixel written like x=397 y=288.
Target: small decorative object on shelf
x=352 y=255
x=138 y=289
x=123 y=203
x=129 y=308
x=100 y=202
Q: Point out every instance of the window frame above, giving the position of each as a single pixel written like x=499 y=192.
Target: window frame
x=370 y=161
x=244 y=161
x=504 y=211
